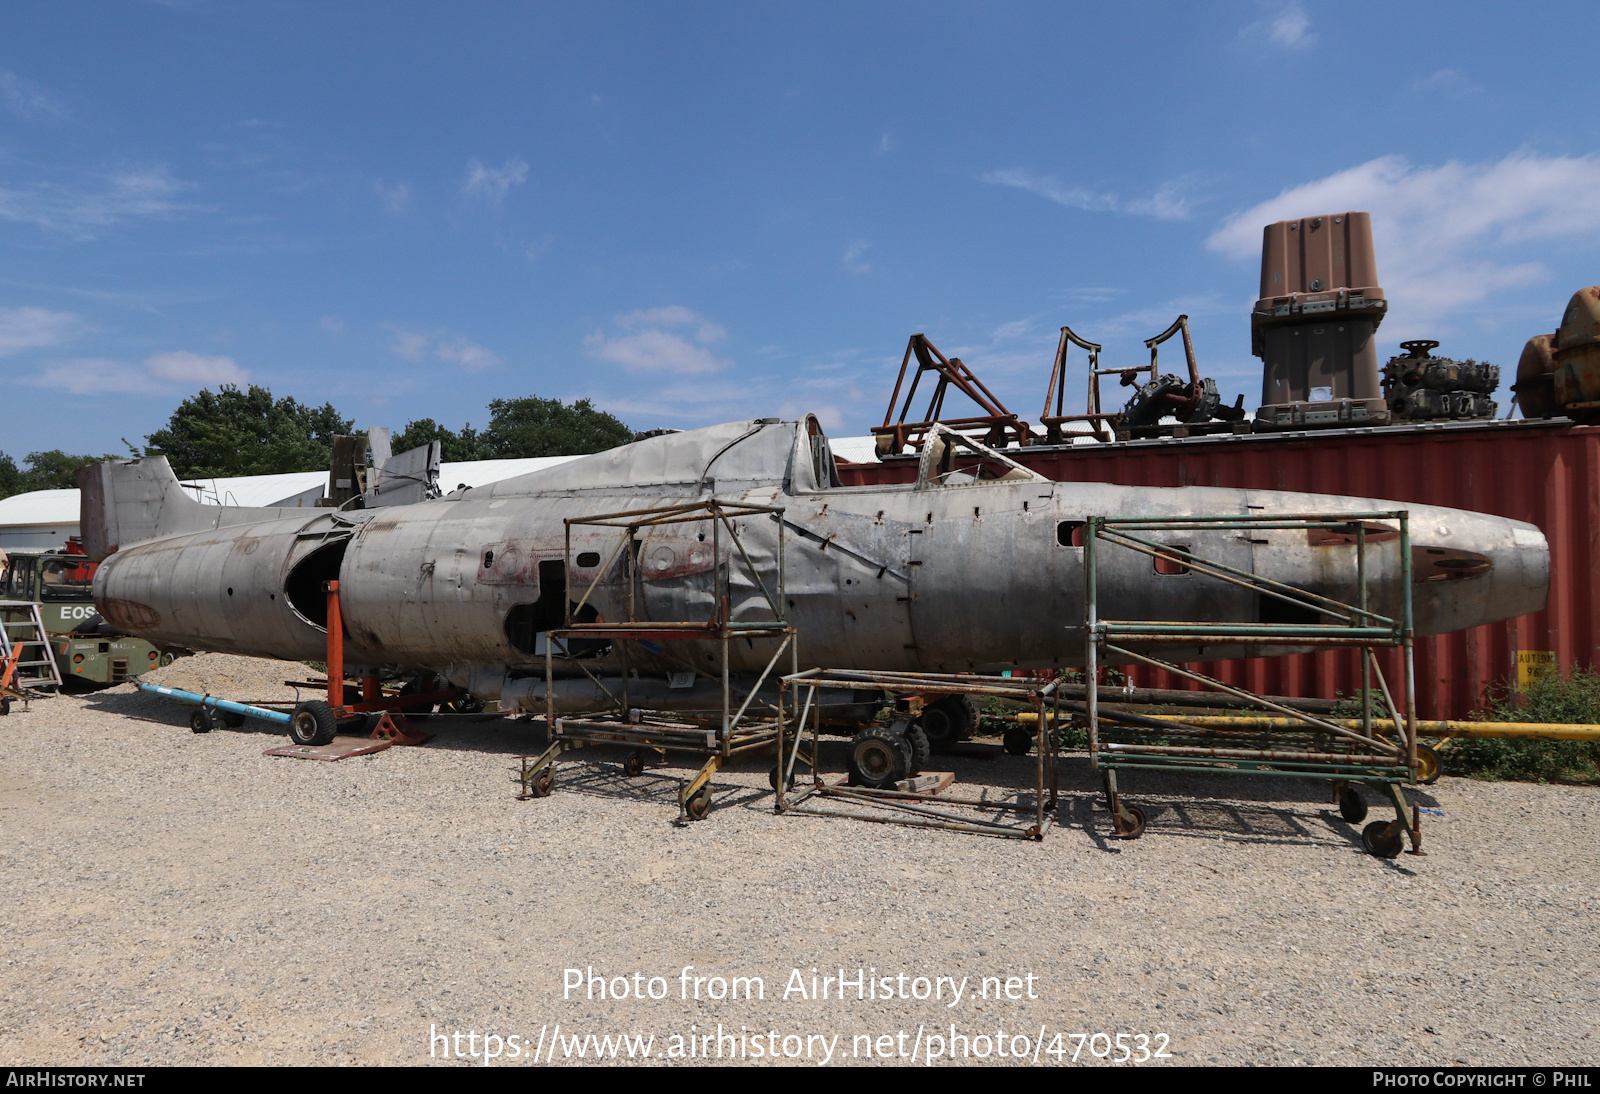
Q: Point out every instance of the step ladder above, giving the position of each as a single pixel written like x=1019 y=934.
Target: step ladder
x=26 y=663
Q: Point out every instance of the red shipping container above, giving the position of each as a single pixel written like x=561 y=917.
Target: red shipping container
x=1542 y=472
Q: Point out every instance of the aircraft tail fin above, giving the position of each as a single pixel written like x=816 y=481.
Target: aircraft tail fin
x=124 y=502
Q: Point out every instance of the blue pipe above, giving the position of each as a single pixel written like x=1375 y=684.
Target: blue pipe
x=211 y=702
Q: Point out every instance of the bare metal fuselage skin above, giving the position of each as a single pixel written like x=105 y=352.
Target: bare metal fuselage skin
x=942 y=577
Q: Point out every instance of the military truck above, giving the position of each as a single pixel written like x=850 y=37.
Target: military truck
x=87 y=649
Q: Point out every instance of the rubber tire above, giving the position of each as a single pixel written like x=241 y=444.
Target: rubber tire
x=201 y=721
x=1018 y=741
x=5 y=705
x=1429 y=765
x=1376 y=839
x=541 y=784
x=951 y=719
x=633 y=766
x=921 y=749
x=971 y=714
x=879 y=757
x=1352 y=806
x=698 y=807
x=312 y=723
x=772 y=779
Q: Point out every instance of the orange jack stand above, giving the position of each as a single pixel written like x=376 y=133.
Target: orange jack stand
x=394 y=727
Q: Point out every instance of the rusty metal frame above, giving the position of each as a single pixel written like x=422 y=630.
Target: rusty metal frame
x=906 y=807
x=1095 y=413
x=1000 y=426
x=733 y=737
x=1309 y=745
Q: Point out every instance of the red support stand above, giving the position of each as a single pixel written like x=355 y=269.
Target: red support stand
x=393 y=727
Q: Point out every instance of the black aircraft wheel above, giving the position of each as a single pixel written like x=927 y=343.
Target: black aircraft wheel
x=879 y=757
x=1128 y=829
x=1352 y=806
x=200 y=721
x=1428 y=766
x=542 y=783
x=699 y=804
x=1018 y=741
x=232 y=720
x=312 y=723
x=1382 y=838
x=921 y=749
x=634 y=764
x=951 y=719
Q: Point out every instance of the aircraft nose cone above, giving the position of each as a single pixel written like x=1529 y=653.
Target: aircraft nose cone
x=1469 y=569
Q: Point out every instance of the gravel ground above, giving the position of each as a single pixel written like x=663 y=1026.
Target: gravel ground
x=173 y=898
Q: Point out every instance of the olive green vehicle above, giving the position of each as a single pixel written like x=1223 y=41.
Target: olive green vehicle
x=87 y=649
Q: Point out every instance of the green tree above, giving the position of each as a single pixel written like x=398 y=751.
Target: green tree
x=53 y=470
x=520 y=428
x=50 y=470
x=10 y=476
x=458 y=447
x=237 y=432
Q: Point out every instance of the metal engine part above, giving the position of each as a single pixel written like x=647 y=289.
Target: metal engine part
x=1148 y=404
x=1420 y=386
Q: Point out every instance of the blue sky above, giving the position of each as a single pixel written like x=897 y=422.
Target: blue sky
x=693 y=213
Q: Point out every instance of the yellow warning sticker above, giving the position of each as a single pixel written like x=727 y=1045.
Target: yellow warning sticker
x=1534 y=664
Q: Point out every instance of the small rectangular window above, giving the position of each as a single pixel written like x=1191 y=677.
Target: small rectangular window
x=1069 y=533
x=1173 y=560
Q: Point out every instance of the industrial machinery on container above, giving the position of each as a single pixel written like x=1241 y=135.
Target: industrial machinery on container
x=1421 y=386
x=1560 y=373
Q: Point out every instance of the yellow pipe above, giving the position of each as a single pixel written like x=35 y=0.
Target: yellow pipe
x=1538 y=731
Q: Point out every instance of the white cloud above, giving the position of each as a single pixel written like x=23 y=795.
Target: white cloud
x=1167 y=203
x=395 y=198
x=28 y=101
x=852 y=257
x=653 y=344
x=654 y=351
x=885 y=145
x=410 y=344
x=451 y=349
x=92 y=376
x=1445 y=236
x=674 y=315
x=466 y=354
x=102 y=376
x=493 y=183
x=183 y=367
x=79 y=211
x=32 y=328
x=831 y=417
x=1447 y=81
x=1289 y=29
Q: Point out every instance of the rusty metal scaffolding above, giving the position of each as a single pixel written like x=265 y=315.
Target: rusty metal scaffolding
x=907 y=807
x=732 y=736
x=1000 y=427
x=1380 y=750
